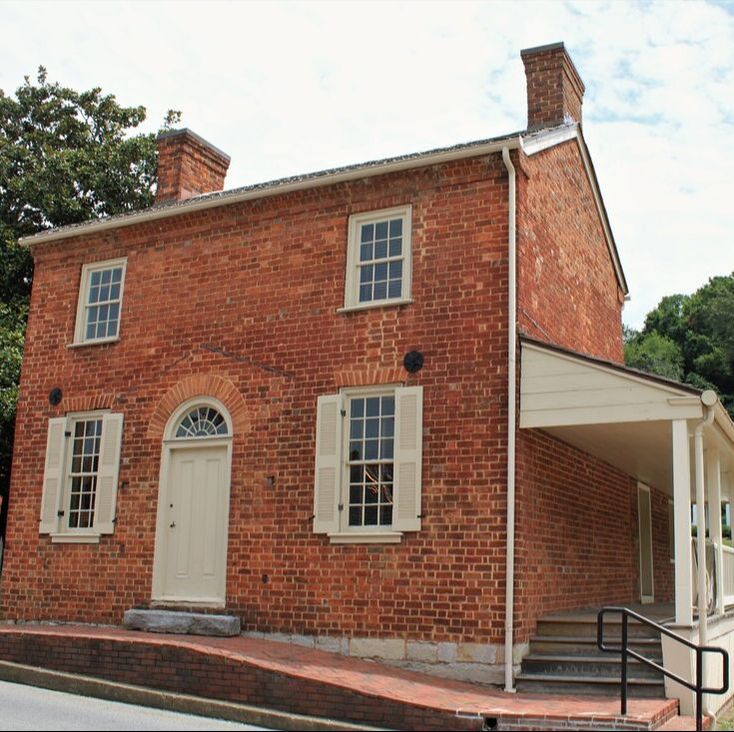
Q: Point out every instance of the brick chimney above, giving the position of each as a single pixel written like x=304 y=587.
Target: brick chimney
x=555 y=89
x=187 y=166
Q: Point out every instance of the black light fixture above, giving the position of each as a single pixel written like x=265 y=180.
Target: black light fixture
x=55 y=396
x=413 y=361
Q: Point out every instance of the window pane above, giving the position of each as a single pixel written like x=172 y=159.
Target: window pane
x=371 y=449
x=396 y=227
x=115 y=292
x=381 y=230
x=370 y=516
x=387 y=450
x=355 y=494
x=365 y=293
x=373 y=406
x=356 y=407
x=388 y=405
x=106 y=276
x=372 y=428
x=368 y=232
x=396 y=247
x=117 y=275
x=381 y=271
x=380 y=291
x=355 y=450
x=366 y=252
x=95 y=278
x=395 y=288
x=380 y=249
x=356 y=429
x=93 y=295
x=355 y=515
x=388 y=425
x=365 y=274
x=386 y=515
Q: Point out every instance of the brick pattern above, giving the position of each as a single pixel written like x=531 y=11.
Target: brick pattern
x=577 y=541
x=187 y=166
x=311 y=682
x=554 y=88
x=244 y=298
x=568 y=292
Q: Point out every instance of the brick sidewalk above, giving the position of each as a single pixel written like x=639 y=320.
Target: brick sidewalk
x=307 y=681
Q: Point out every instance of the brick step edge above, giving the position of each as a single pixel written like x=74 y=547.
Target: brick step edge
x=184 y=703
x=683 y=724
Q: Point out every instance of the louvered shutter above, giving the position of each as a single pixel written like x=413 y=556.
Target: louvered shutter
x=328 y=464
x=53 y=476
x=408 y=457
x=107 y=474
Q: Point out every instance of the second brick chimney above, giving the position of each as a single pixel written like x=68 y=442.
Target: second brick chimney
x=187 y=166
x=555 y=89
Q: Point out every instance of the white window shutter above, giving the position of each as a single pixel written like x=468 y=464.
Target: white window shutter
x=408 y=458
x=53 y=476
x=107 y=474
x=328 y=464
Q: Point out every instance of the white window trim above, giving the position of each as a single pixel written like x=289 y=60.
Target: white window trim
x=351 y=280
x=359 y=534
x=84 y=284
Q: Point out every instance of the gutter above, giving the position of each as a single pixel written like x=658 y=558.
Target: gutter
x=511 y=420
x=274 y=188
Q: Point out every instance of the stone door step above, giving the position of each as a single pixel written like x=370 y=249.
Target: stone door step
x=174 y=621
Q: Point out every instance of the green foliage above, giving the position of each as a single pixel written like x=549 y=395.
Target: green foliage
x=656 y=354
x=701 y=327
x=65 y=157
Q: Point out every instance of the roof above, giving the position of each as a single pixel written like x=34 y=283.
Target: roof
x=279 y=185
x=531 y=142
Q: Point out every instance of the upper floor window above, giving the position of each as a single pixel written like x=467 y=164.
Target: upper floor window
x=100 y=302
x=378 y=258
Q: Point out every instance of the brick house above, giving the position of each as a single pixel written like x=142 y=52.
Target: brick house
x=289 y=402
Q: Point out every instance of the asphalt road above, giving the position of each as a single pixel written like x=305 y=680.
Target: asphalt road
x=31 y=708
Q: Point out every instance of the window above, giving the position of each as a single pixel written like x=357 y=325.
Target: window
x=100 y=302
x=368 y=464
x=378 y=259
x=202 y=421
x=80 y=478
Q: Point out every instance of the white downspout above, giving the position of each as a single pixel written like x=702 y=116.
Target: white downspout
x=511 y=418
x=708 y=399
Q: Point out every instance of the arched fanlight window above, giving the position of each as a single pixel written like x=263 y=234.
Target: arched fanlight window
x=202 y=421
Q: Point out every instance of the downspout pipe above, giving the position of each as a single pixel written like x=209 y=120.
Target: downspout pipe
x=708 y=400
x=511 y=420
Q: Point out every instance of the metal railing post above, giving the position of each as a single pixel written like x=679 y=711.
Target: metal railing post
x=624 y=664
x=699 y=689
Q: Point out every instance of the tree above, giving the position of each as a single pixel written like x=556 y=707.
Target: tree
x=65 y=157
x=694 y=331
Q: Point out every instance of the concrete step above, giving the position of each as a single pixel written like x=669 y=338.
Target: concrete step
x=584 y=666
x=588 y=686
x=586 y=646
x=586 y=627
x=174 y=621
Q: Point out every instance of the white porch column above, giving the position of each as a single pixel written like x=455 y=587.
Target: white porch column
x=713 y=483
x=682 y=514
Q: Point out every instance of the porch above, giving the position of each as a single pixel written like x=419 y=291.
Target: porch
x=668 y=436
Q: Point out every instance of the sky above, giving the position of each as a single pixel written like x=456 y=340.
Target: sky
x=295 y=87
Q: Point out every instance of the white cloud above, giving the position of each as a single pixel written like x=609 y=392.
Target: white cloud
x=293 y=87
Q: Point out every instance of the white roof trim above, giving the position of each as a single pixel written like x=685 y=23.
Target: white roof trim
x=276 y=188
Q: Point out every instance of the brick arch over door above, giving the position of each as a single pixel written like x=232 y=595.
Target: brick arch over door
x=205 y=385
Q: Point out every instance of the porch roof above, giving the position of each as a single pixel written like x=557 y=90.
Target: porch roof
x=620 y=415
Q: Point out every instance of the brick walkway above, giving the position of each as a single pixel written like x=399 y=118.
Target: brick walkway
x=308 y=681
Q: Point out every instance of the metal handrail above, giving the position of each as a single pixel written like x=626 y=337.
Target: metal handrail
x=625 y=651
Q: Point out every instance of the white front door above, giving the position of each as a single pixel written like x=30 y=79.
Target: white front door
x=192 y=527
x=644 y=519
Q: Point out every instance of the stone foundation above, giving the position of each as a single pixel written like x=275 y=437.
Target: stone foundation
x=481 y=663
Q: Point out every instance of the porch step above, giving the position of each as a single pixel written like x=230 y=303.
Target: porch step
x=603 y=666
x=581 y=626
x=588 y=685
x=174 y=621
x=586 y=645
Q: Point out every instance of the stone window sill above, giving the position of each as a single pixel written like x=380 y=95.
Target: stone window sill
x=372 y=305
x=391 y=537
x=75 y=538
x=98 y=342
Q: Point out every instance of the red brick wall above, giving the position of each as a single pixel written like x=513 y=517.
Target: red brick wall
x=577 y=533
x=567 y=288
x=262 y=281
